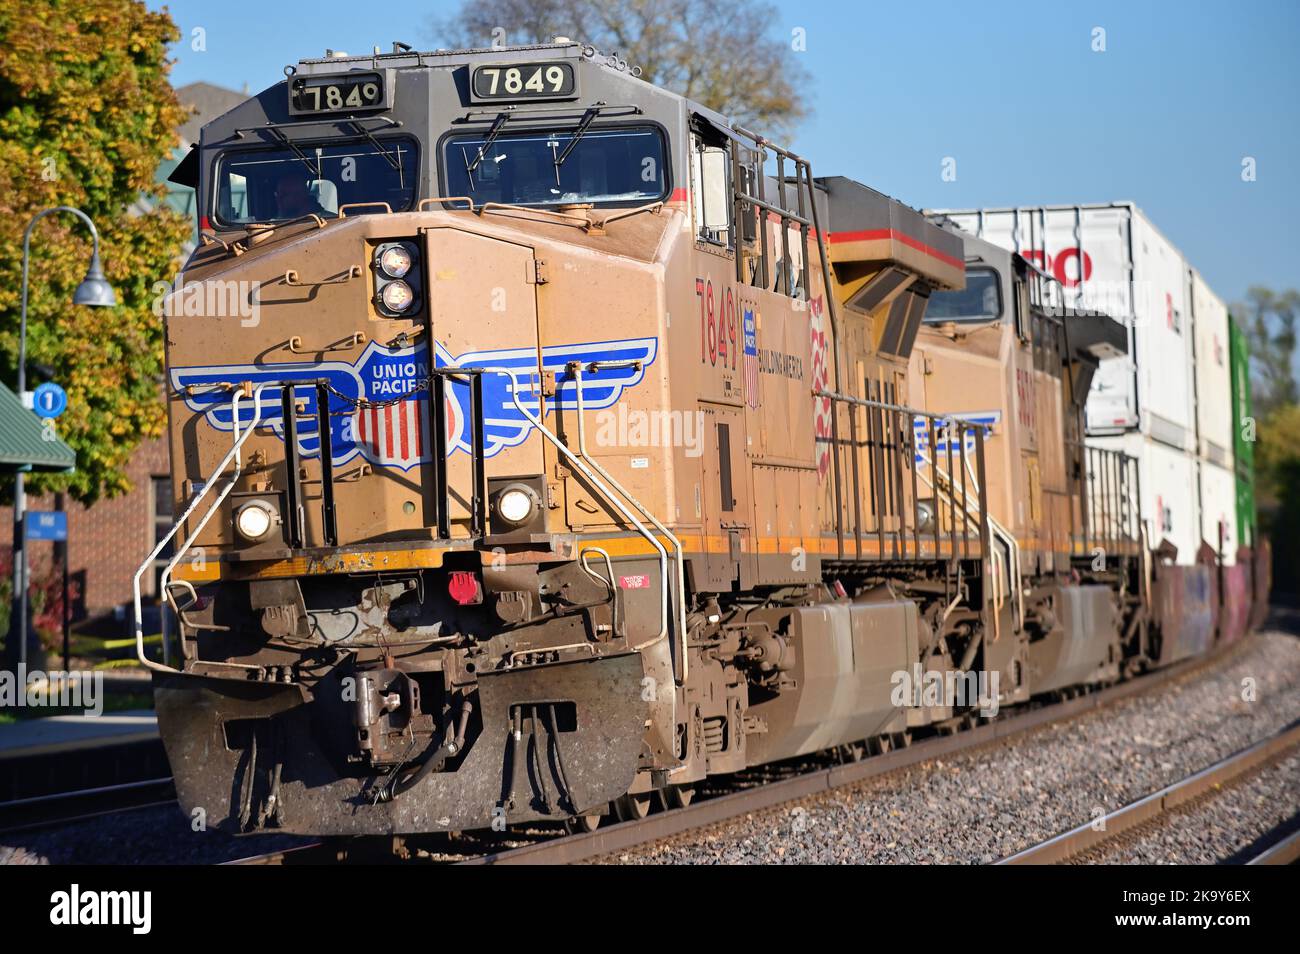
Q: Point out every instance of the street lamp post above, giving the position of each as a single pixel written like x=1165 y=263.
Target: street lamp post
x=94 y=291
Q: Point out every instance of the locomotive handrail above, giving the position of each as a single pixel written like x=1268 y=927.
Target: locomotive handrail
x=981 y=514
x=232 y=454
x=655 y=207
x=444 y=200
x=867 y=402
x=1013 y=550
x=599 y=484
x=1109 y=507
x=577 y=221
x=294 y=344
x=576 y=370
x=957 y=491
x=292 y=279
x=342 y=211
x=266 y=228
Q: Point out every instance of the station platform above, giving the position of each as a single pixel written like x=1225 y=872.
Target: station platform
x=65 y=734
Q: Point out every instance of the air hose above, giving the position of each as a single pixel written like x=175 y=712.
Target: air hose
x=433 y=761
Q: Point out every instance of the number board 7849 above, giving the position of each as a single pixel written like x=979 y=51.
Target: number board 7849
x=522 y=81
x=337 y=94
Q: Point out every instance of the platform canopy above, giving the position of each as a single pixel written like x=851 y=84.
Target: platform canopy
x=23 y=441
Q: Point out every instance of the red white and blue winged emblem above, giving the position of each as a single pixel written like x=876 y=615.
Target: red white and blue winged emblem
x=390 y=428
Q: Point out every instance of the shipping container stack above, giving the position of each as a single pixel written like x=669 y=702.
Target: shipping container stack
x=1170 y=402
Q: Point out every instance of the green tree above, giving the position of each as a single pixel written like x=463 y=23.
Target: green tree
x=1277 y=470
x=1270 y=321
x=86 y=114
x=724 y=55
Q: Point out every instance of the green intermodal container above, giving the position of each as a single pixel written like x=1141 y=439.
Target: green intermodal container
x=1243 y=427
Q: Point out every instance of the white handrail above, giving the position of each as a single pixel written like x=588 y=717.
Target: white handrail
x=672 y=538
x=600 y=485
x=232 y=454
x=1013 y=546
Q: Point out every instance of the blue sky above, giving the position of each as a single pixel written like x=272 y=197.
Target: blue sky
x=1013 y=91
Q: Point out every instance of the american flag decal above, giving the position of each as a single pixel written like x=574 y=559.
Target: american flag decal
x=751 y=357
x=393 y=435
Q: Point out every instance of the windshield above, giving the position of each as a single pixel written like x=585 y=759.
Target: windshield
x=980 y=300
x=272 y=185
x=612 y=165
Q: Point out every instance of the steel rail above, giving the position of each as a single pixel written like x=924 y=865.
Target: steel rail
x=1157 y=805
x=66 y=808
x=313 y=853
x=572 y=849
x=1285 y=852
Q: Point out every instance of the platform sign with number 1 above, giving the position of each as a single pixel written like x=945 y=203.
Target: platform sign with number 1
x=49 y=400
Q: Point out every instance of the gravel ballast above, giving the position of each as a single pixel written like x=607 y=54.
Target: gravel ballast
x=1224 y=824
x=968 y=808
x=980 y=806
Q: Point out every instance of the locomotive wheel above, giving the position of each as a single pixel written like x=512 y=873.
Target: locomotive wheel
x=902 y=740
x=631 y=807
x=880 y=744
x=676 y=796
x=580 y=824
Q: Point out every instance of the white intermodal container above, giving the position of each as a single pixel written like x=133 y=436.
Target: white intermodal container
x=1213 y=375
x=1218 y=505
x=1110 y=258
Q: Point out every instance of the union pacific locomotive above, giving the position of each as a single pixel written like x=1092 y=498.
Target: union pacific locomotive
x=546 y=442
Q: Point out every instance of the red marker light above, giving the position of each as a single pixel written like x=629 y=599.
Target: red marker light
x=463 y=587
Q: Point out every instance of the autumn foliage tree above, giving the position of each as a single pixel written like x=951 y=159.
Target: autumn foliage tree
x=86 y=115
x=1269 y=320
x=730 y=56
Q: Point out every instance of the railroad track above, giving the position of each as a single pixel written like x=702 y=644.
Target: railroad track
x=65 y=808
x=1148 y=812
x=1285 y=852
x=611 y=839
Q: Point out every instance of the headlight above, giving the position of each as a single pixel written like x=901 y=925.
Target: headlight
x=395 y=261
x=399 y=290
x=253 y=520
x=516 y=504
x=925 y=515
x=397 y=296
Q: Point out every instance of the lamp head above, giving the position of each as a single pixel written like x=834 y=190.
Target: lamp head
x=94 y=290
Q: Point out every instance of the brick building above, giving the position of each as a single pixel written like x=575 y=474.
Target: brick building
x=107 y=541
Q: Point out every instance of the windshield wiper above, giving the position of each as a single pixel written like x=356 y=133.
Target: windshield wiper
x=285 y=140
x=587 y=119
x=370 y=138
x=493 y=133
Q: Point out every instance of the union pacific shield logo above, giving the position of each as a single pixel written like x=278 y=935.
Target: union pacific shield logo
x=945 y=441
x=390 y=429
